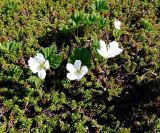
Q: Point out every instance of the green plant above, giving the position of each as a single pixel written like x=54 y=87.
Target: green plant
x=112 y=98
x=83 y=55
x=100 y=6
x=54 y=59
x=10 y=6
x=10 y=46
x=84 y=19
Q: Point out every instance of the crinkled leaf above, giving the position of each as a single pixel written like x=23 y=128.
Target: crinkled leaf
x=100 y=5
x=81 y=54
x=54 y=59
x=47 y=52
x=78 y=18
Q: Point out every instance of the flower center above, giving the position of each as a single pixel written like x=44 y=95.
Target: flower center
x=41 y=65
x=78 y=71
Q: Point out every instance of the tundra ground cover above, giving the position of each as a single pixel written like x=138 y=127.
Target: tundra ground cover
x=120 y=94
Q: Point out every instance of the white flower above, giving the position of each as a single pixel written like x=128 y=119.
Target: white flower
x=76 y=72
x=117 y=24
x=39 y=65
x=109 y=51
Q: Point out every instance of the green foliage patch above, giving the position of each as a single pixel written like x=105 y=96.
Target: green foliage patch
x=117 y=95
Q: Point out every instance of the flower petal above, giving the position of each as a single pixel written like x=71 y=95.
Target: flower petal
x=115 y=52
x=47 y=64
x=113 y=44
x=39 y=57
x=102 y=45
x=79 y=76
x=71 y=76
x=77 y=64
x=117 y=24
x=70 y=68
x=103 y=49
x=84 y=70
x=102 y=53
x=33 y=64
x=113 y=49
x=42 y=74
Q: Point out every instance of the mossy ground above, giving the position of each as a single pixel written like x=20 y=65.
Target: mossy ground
x=131 y=101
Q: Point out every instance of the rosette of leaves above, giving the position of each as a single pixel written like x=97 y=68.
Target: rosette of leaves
x=53 y=58
x=84 y=19
x=81 y=54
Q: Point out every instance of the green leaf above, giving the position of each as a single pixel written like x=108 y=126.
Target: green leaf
x=95 y=19
x=78 y=18
x=54 y=59
x=85 y=19
x=81 y=54
x=47 y=52
x=10 y=46
x=100 y=5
